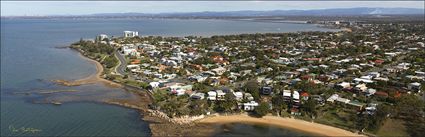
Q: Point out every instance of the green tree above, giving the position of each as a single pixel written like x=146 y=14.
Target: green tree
x=253 y=88
x=379 y=117
x=262 y=109
x=197 y=107
x=410 y=108
x=279 y=103
x=110 y=61
x=310 y=107
x=361 y=122
x=227 y=104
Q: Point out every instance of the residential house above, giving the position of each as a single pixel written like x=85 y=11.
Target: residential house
x=415 y=86
x=220 y=94
x=248 y=97
x=212 y=95
x=266 y=90
x=360 y=87
x=129 y=49
x=238 y=95
x=250 y=106
x=343 y=85
x=199 y=96
x=305 y=96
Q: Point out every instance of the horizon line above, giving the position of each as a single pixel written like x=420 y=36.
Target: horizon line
x=182 y=12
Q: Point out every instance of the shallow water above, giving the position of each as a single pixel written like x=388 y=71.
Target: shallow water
x=239 y=129
x=29 y=60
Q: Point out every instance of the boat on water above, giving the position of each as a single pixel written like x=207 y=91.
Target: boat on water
x=56 y=103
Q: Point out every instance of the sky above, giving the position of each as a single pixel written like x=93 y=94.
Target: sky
x=43 y=8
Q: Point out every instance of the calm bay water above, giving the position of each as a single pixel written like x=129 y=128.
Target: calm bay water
x=237 y=129
x=29 y=60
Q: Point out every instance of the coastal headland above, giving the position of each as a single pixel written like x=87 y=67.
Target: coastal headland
x=161 y=126
x=164 y=127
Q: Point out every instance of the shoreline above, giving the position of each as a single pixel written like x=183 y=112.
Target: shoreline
x=287 y=123
x=91 y=79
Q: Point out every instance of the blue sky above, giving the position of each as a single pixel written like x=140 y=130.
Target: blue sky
x=20 y=8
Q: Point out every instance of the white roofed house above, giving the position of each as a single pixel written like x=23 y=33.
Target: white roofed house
x=176 y=89
x=198 y=78
x=179 y=89
x=333 y=98
x=370 y=91
x=250 y=106
x=343 y=85
x=248 y=96
x=220 y=94
x=130 y=34
x=199 y=96
x=286 y=95
x=296 y=96
x=374 y=74
x=154 y=85
x=238 y=95
x=403 y=66
x=219 y=70
x=362 y=80
x=128 y=49
x=414 y=87
x=360 y=87
x=212 y=95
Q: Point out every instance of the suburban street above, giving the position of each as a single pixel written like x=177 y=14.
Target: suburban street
x=120 y=69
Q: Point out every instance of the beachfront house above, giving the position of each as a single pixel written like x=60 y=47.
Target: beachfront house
x=286 y=95
x=250 y=106
x=220 y=94
x=296 y=96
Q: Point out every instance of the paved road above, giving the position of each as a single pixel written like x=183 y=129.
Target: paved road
x=121 y=68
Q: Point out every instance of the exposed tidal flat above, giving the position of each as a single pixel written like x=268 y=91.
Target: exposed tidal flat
x=29 y=61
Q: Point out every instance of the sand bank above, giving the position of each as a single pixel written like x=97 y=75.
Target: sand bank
x=291 y=123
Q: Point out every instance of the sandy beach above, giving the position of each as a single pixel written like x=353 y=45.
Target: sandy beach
x=94 y=78
x=291 y=123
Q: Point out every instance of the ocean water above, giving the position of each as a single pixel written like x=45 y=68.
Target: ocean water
x=29 y=60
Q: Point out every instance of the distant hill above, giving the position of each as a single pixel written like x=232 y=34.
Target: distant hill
x=318 y=12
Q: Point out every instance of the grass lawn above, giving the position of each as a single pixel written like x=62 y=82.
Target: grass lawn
x=392 y=127
x=336 y=118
